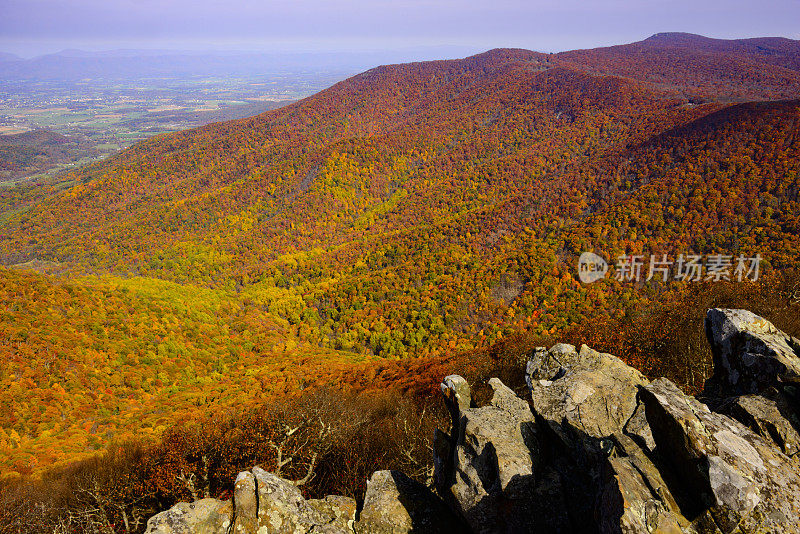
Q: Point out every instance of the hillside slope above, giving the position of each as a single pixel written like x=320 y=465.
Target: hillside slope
x=702 y=68
x=38 y=150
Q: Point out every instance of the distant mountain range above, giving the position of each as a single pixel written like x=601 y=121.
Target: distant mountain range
x=75 y=64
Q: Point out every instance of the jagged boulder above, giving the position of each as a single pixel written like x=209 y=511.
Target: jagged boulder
x=245 y=502
x=729 y=470
x=611 y=452
x=484 y=467
x=600 y=442
x=592 y=391
x=773 y=415
x=282 y=509
x=634 y=496
x=741 y=480
x=583 y=398
x=755 y=378
x=206 y=516
x=750 y=354
x=262 y=503
x=396 y=504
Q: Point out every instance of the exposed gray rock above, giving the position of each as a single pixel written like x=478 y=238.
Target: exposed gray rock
x=755 y=380
x=750 y=354
x=634 y=499
x=491 y=451
x=262 y=503
x=549 y=365
x=245 y=503
x=206 y=516
x=282 y=509
x=395 y=504
x=638 y=428
x=602 y=434
x=588 y=403
x=457 y=391
x=592 y=391
x=341 y=509
x=742 y=479
x=771 y=414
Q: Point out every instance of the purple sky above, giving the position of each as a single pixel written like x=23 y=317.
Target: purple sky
x=30 y=27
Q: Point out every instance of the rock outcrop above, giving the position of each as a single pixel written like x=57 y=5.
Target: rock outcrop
x=206 y=516
x=592 y=391
x=396 y=504
x=592 y=446
x=731 y=475
x=611 y=452
x=262 y=503
x=750 y=354
x=485 y=467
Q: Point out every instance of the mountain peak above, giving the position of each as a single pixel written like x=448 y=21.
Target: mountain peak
x=506 y=55
x=676 y=37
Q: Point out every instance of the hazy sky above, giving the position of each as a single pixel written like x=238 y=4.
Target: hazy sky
x=30 y=27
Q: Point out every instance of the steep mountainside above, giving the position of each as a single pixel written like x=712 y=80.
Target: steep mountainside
x=699 y=67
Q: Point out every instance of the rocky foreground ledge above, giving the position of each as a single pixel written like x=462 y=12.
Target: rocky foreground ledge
x=596 y=448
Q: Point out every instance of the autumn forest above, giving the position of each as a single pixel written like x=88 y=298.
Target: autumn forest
x=411 y=221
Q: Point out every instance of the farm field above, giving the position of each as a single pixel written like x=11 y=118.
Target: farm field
x=99 y=118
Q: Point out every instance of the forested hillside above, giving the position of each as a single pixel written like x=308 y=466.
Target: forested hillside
x=413 y=211
x=37 y=151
